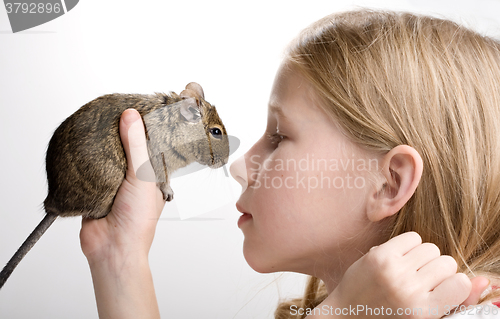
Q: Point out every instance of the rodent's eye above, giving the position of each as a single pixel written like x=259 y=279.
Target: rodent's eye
x=217 y=133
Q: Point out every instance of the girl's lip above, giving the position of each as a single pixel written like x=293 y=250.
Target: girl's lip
x=243 y=218
x=241 y=209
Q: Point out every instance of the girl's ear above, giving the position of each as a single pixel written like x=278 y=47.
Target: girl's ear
x=402 y=169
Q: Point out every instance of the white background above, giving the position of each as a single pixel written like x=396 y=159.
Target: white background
x=233 y=50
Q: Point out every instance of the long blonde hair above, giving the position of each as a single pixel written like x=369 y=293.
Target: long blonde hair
x=392 y=78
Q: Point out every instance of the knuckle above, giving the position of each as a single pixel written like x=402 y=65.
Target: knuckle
x=377 y=257
x=382 y=264
x=432 y=249
x=448 y=262
x=463 y=281
x=414 y=235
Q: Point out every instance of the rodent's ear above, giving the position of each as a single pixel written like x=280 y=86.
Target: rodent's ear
x=193 y=89
x=189 y=109
x=190 y=94
x=193 y=86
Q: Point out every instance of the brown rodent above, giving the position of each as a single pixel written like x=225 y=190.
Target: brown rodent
x=86 y=163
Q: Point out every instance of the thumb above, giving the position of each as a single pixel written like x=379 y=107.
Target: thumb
x=134 y=143
x=479 y=284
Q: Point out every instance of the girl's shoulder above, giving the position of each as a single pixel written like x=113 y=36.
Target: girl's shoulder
x=483 y=311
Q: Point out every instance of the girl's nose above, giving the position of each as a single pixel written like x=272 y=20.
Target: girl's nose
x=238 y=171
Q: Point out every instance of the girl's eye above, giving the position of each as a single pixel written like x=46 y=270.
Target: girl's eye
x=275 y=138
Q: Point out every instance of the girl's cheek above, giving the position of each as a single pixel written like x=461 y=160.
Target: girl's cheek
x=262 y=162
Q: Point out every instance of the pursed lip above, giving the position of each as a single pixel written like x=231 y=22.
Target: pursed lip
x=245 y=217
x=241 y=209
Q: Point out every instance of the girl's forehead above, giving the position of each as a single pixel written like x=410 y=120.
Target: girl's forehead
x=286 y=79
x=292 y=97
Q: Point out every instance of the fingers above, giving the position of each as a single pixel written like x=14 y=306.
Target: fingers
x=452 y=291
x=134 y=143
x=422 y=254
x=401 y=244
x=479 y=285
x=437 y=270
x=424 y=275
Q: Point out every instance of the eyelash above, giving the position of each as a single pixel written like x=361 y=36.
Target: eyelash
x=275 y=138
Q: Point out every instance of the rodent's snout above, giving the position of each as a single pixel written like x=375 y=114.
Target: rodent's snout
x=219 y=164
x=219 y=151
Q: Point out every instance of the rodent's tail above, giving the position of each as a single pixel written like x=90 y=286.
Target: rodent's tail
x=25 y=247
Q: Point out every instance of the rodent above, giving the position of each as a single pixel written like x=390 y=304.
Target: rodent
x=86 y=162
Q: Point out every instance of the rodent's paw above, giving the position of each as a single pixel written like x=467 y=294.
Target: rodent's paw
x=168 y=193
x=169 y=197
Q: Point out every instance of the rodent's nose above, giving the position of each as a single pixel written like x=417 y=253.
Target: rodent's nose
x=238 y=171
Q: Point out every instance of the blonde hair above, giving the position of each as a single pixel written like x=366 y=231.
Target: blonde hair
x=392 y=78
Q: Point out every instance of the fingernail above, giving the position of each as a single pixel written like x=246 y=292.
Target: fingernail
x=130 y=116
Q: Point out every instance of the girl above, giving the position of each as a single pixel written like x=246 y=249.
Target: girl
x=380 y=124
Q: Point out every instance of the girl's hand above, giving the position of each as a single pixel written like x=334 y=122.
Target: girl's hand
x=131 y=224
x=403 y=275
x=117 y=245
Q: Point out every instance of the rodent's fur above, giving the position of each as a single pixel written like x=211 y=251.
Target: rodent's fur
x=86 y=163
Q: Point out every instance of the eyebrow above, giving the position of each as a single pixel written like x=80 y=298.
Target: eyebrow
x=276 y=109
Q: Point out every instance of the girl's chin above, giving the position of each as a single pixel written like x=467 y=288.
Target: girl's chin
x=256 y=262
